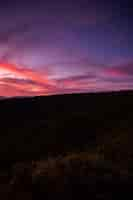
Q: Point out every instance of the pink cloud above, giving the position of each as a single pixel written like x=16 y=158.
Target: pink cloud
x=22 y=72
x=22 y=81
x=16 y=80
x=115 y=72
x=123 y=70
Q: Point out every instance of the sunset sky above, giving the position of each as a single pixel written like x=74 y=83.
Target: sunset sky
x=66 y=46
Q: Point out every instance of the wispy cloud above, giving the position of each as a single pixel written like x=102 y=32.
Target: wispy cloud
x=22 y=80
x=122 y=70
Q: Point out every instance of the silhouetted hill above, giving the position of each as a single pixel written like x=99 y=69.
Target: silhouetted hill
x=47 y=125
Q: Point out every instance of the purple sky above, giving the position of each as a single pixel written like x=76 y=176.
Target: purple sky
x=50 y=47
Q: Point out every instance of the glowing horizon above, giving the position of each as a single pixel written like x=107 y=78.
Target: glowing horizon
x=65 y=47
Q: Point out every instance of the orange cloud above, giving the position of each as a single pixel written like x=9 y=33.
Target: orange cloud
x=21 y=72
x=20 y=80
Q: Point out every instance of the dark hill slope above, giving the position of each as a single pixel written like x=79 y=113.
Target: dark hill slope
x=34 y=127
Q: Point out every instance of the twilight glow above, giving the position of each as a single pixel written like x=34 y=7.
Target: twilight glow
x=55 y=47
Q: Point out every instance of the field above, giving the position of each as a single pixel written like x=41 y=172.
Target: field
x=67 y=146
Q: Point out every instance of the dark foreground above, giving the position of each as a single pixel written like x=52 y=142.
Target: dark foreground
x=67 y=147
x=71 y=177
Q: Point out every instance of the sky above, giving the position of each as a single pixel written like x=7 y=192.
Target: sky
x=65 y=46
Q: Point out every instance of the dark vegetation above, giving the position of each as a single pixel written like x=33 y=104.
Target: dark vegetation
x=66 y=146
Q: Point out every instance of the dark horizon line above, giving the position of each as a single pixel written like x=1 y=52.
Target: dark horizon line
x=67 y=94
